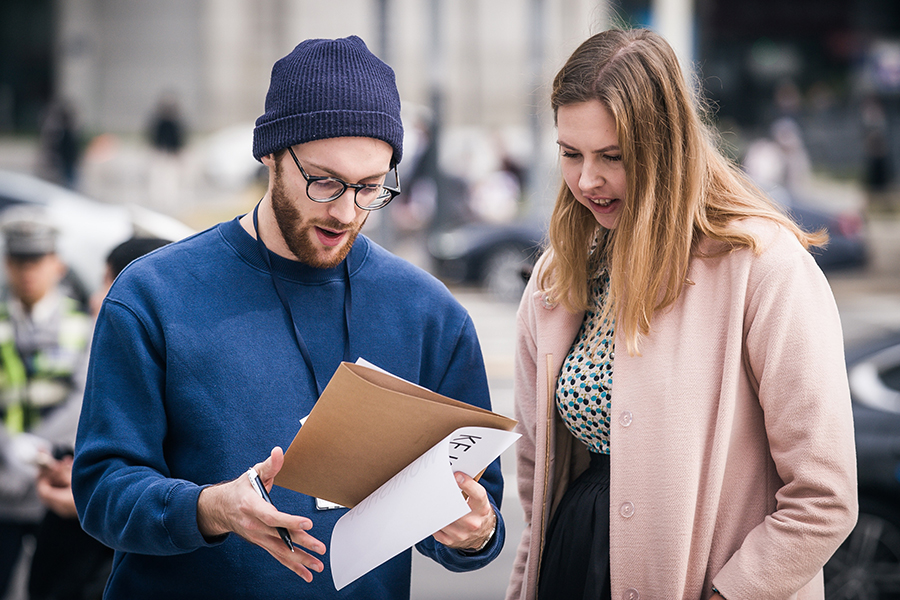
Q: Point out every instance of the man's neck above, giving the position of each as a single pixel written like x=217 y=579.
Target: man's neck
x=271 y=234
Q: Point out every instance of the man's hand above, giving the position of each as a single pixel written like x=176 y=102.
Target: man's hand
x=235 y=506
x=473 y=530
x=54 y=485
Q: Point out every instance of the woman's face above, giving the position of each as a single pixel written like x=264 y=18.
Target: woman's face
x=591 y=159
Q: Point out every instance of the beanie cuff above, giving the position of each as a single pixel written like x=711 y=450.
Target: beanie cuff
x=281 y=133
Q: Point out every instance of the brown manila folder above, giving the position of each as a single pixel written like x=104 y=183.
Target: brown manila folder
x=366 y=427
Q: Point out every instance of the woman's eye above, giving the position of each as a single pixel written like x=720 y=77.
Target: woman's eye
x=566 y=154
x=613 y=158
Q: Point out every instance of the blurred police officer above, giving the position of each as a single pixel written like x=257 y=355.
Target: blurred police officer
x=43 y=341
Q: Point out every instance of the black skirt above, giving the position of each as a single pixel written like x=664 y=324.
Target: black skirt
x=575 y=560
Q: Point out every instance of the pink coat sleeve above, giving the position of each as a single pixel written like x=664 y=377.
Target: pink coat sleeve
x=794 y=348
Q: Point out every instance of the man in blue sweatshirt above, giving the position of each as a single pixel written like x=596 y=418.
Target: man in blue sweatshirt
x=208 y=351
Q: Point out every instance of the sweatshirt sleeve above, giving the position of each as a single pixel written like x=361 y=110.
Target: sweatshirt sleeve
x=465 y=380
x=794 y=349
x=121 y=482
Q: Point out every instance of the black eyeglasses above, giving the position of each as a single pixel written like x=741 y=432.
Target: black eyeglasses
x=367 y=196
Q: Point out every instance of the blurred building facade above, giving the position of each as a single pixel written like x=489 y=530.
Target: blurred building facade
x=115 y=58
x=480 y=64
x=821 y=63
x=817 y=63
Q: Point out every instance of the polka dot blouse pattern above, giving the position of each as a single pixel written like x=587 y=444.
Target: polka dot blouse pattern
x=585 y=381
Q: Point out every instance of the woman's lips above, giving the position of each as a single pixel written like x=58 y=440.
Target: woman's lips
x=603 y=205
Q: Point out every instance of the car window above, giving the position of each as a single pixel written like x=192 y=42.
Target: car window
x=6 y=202
x=891 y=377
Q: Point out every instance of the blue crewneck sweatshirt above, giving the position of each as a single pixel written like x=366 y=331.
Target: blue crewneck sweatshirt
x=195 y=375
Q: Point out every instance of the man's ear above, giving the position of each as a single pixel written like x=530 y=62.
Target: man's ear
x=268 y=160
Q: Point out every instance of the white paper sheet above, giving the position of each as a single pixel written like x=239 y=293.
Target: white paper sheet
x=418 y=501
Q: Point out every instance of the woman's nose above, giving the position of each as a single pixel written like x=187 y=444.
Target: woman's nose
x=591 y=177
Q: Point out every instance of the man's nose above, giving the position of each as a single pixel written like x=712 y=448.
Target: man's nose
x=343 y=208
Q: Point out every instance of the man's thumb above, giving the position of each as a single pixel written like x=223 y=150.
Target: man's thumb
x=272 y=465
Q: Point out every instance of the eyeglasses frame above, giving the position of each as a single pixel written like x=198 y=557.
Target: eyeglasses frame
x=310 y=179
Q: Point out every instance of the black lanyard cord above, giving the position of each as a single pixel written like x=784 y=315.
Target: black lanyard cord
x=279 y=289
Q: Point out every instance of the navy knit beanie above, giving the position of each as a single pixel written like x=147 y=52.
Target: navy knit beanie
x=326 y=89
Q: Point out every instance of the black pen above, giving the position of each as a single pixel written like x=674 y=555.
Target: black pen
x=257 y=484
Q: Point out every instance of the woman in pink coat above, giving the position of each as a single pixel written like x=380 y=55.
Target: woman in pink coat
x=680 y=379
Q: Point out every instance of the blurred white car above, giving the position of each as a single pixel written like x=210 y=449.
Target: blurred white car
x=89 y=229
x=227 y=156
x=867 y=565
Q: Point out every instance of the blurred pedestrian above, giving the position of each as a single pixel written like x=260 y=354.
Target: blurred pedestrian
x=680 y=382
x=415 y=207
x=496 y=195
x=60 y=145
x=68 y=564
x=43 y=342
x=119 y=258
x=781 y=158
x=208 y=351
x=877 y=175
x=168 y=136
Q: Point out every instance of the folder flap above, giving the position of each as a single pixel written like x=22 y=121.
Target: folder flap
x=366 y=427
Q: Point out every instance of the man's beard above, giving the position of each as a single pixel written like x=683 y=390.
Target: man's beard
x=299 y=234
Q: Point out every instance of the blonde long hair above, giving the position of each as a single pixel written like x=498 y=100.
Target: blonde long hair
x=680 y=188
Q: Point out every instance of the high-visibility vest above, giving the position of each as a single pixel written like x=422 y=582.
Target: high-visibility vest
x=28 y=392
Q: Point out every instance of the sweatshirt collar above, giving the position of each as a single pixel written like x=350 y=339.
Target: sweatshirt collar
x=292 y=270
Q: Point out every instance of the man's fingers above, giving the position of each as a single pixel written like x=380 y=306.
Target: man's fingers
x=257 y=521
x=471 y=529
x=270 y=519
x=298 y=527
x=263 y=532
x=300 y=562
x=305 y=540
x=476 y=496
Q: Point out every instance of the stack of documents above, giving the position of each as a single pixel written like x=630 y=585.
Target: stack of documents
x=388 y=449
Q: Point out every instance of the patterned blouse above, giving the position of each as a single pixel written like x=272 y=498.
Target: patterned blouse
x=585 y=381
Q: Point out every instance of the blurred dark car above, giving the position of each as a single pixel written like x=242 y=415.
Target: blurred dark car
x=495 y=256
x=89 y=229
x=848 y=245
x=867 y=565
